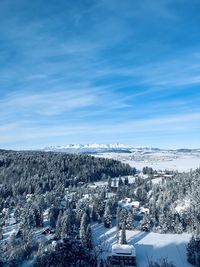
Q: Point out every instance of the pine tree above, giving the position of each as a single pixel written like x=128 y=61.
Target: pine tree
x=101 y=206
x=115 y=182
x=94 y=214
x=118 y=217
x=126 y=181
x=109 y=182
x=163 y=224
x=66 y=228
x=38 y=216
x=130 y=221
x=145 y=224
x=107 y=217
x=83 y=228
x=53 y=214
x=89 y=237
x=120 y=182
x=193 y=251
x=118 y=223
x=29 y=219
x=59 y=225
x=178 y=228
x=123 y=217
x=99 y=219
x=1 y=233
x=122 y=239
x=197 y=231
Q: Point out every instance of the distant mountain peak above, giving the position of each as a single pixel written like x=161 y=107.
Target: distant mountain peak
x=95 y=147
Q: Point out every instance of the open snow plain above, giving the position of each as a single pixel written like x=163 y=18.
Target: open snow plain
x=158 y=160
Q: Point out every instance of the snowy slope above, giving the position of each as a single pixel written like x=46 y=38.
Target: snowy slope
x=149 y=246
x=153 y=246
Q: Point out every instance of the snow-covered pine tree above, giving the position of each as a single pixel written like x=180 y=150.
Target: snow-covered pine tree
x=52 y=219
x=83 y=227
x=163 y=224
x=191 y=251
x=178 y=227
x=101 y=206
x=53 y=214
x=38 y=216
x=109 y=182
x=66 y=228
x=126 y=181
x=59 y=225
x=107 y=218
x=118 y=217
x=118 y=223
x=120 y=183
x=130 y=221
x=145 y=224
x=123 y=216
x=94 y=213
x=1 y=233
x=99 y=219
x=122 y=239
x=89 y=237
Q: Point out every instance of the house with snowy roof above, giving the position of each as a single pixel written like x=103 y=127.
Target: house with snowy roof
x=122 y=255
x=129 y=204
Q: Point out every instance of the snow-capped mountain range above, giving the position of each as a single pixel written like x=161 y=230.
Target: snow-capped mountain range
x=114 y=147
x=95 y=148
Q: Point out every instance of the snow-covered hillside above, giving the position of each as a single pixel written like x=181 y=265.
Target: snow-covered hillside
x=149 y=246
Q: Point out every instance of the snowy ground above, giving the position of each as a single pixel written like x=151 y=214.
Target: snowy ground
x=8 y=230
x=160 y=160
x=149 y=246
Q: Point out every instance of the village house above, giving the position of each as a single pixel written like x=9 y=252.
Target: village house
x=122 y=255
x=129 y=204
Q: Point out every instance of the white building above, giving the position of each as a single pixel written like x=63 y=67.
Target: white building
x=128 y=204
x=122 y=255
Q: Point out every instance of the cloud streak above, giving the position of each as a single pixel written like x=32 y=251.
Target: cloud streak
x=22 y=132
x=47 y=103
x=102 y=68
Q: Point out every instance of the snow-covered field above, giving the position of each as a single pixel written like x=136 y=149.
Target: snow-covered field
x=152 y=246
x=158 y=160
x=149 y=246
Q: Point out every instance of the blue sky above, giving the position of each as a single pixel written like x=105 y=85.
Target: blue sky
x=101 y=71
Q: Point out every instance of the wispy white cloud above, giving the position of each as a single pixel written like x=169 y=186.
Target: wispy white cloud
x=47 y=103
x=88 y=100
x=22 y=132
x=45 y=57
x=43 y=54
x=182 y=70
x=98 y=68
